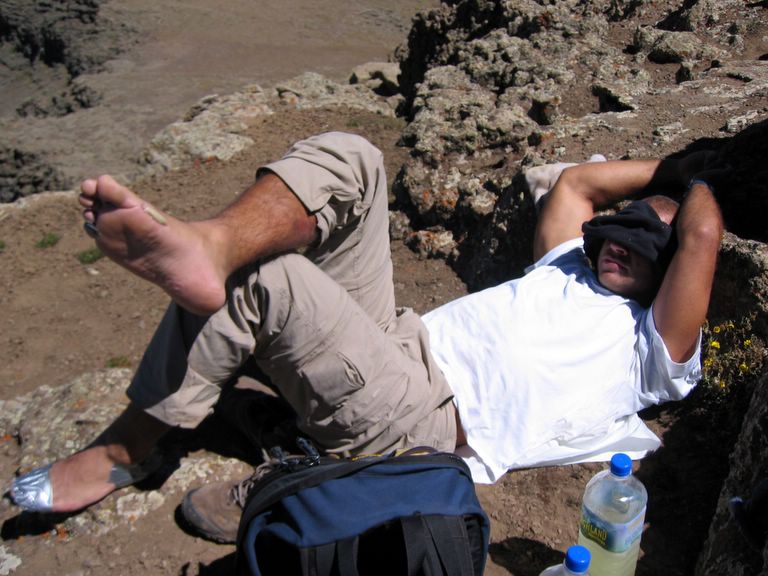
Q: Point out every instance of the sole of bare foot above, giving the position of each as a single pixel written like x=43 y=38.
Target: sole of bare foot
x=176 y=256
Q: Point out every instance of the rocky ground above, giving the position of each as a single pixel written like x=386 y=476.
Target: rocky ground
x=488 y=88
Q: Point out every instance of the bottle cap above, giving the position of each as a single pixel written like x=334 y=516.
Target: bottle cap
x=577 y=559
x=621 y=465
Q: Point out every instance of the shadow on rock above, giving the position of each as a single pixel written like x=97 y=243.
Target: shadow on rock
x=245 y=424
x=32 y=524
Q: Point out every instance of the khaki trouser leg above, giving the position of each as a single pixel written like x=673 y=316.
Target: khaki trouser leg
x=359 y=376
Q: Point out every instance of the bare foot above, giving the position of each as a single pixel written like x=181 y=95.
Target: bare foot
x=78 y=481
x=81 y=479
x=177 y=256
x=120 y=456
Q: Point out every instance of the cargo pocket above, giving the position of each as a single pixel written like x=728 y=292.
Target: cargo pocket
x=336 y=398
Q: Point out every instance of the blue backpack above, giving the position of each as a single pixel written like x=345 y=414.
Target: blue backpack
x=412 y=514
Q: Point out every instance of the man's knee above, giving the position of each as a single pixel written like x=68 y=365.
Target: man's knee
x=346 y=141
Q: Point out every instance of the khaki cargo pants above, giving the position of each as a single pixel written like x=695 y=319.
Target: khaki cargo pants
x=321 y=326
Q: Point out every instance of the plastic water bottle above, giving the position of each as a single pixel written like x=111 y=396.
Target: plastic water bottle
x=576 y=562
x=612 y=516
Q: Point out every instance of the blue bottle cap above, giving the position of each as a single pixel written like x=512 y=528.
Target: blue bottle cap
x=577 y=559
x=621 y=465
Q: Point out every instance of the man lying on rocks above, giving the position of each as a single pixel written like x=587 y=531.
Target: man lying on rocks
x=547 y=369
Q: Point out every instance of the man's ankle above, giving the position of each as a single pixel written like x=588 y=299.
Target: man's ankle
x=131 y=438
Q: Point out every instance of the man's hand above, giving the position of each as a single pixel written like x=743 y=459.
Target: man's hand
x=716 y=179
x=696 y=163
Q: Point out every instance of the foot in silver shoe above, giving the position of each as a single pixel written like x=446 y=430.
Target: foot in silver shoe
x=33 y=490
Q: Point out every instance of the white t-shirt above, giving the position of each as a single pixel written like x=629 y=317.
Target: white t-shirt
x=551 y=368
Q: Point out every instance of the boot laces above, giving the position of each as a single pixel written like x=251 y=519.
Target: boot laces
x=238 y=493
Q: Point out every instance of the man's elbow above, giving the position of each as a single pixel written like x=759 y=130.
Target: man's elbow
x=704 y=235
x=571 y=188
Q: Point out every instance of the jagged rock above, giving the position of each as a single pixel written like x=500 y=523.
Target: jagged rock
x=432 y=242
x=741 y=288
x=454 y=115
x=8 y=562
x=480 y=92
x=212 y=129
x=695 y=15
x=665 y=47
x=399 y=225
x=741 y=285
x=24 y=173
x=685 y=73
x=77 y=96
x=611 y=99
x=312 y=90
x=668 y=132
x=71 y=33
x=544 y=109
x=380 y=77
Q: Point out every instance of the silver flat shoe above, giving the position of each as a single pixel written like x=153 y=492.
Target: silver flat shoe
x=33 y=491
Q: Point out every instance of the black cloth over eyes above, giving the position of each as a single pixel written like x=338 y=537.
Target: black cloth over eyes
x=636 y=227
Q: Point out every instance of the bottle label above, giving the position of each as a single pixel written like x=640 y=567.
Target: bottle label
x=609 y=536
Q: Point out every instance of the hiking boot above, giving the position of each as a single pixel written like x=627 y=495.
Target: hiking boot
x=214 y=510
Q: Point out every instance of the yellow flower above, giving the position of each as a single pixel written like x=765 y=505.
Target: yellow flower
x=708 y=362
x=747 y=343
x=716 y=329
x=743 y=368
x=729 y=324
x=714 y=344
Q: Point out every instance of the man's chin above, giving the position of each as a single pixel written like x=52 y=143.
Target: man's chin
x=609 y=281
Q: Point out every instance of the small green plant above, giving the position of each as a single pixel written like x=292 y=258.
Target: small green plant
x=118 y=362
x=2 y=246
x=48 y=240
x=731 y=354
x=89 y=256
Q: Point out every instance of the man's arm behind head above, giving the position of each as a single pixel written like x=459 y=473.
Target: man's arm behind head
x=681 y=304
x=583 y=189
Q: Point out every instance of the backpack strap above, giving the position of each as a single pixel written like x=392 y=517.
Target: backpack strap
x=317 y=560
x=449 y=533
x=346 y=556
x=321 y=560
x=420 y=550
x=437 y=544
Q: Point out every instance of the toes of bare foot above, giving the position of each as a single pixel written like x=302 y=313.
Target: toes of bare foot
x=170 y=253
